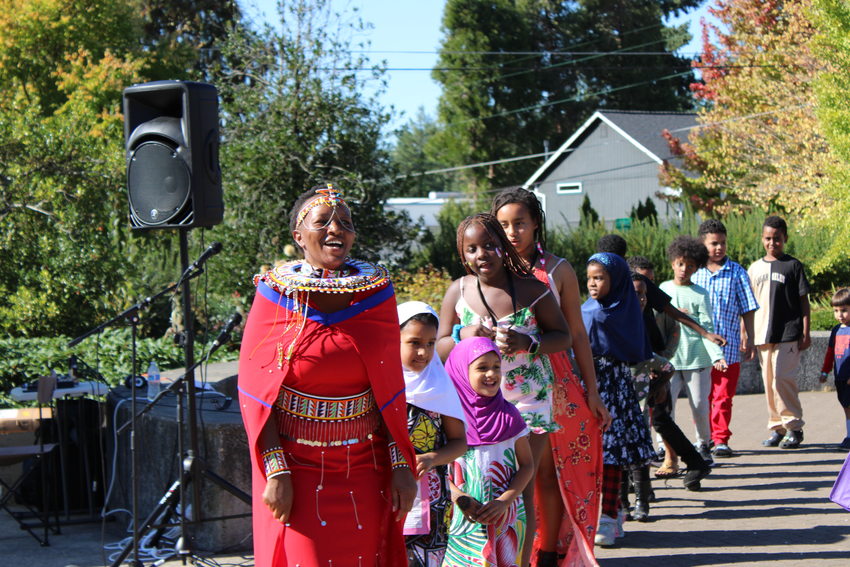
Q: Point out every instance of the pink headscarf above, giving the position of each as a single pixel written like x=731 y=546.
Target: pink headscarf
x=488 y=420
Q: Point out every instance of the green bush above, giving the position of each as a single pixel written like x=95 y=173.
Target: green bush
x=646 y=238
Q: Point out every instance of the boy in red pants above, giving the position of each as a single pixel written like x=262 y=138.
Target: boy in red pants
x=732 y=301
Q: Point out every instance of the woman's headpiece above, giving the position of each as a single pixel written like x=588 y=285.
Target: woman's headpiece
x=326 y=195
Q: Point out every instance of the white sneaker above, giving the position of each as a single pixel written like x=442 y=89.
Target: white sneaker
x=606 y=533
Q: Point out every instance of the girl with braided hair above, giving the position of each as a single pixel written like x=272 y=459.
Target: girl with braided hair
x=500 y=299
x=570 y=471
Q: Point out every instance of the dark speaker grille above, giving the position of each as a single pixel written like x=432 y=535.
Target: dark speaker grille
x=158 y=183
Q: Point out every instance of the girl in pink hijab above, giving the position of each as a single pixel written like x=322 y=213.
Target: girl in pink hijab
x=488 y=525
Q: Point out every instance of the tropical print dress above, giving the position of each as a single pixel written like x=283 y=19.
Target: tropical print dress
x=484 y=473
x=526 y=379
x=426 y=433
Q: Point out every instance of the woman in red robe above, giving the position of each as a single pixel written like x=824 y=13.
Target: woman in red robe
x=322 y=399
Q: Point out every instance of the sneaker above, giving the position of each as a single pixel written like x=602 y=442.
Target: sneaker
x=722 y=451
x=791 y=440
x=774 y=439
x=660 y=453
x=705 y=453
x=845 y=445
x=606 y=533
x=694 y=476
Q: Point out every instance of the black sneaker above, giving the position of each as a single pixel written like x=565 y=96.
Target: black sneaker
x=791 y=440
x=694 y=476
x=774 y=439
x=845 y=445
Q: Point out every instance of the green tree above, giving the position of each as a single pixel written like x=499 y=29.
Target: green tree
x=295 y=117
x=184 y=36
x=62 y=201
x=412 y=157
x=589 y=216
x=517 y=74
x=759 y=142
x=832 y=20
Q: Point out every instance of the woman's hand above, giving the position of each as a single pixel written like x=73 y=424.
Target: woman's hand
x=404 y=490
x=278 y=496
x=599 y=411
x=492 y=512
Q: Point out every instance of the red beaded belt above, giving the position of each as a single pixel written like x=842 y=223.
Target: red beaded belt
x=325 y=421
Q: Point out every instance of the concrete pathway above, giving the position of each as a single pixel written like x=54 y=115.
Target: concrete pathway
x=761 y=507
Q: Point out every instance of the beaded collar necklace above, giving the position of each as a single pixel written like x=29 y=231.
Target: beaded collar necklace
x=298 y=276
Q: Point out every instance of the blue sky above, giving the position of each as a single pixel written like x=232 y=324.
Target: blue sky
x=411 y=26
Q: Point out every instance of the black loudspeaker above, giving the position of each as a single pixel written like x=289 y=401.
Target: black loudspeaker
x=171 y=140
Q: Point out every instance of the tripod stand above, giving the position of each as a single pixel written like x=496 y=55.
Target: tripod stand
x=131 y=314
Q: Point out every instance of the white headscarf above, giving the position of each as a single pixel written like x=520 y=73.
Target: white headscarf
x=431 y=389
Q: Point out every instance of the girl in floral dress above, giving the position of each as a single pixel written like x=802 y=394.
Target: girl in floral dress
x=435 y=421
x=488 y=525
x=614 y=324
x=500 y=299
x=569 y=475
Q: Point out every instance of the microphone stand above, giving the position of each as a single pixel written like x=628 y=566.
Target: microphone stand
x=131 y=314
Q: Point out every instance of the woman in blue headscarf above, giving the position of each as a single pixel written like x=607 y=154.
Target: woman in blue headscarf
x=614 y=324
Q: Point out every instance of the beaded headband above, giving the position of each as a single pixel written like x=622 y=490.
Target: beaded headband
x=328 y=195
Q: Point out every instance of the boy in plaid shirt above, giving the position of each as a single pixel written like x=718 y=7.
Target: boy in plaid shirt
x=732 y=300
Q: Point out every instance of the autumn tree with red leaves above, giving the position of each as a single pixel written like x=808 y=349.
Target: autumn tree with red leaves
x=759 y=142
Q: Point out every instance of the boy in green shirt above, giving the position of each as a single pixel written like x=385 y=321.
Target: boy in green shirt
x=694 y=356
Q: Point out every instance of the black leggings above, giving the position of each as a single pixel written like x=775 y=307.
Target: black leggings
x=670 y=432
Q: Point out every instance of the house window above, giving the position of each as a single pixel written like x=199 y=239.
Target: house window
x=568 y=188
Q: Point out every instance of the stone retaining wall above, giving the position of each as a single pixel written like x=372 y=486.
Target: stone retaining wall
x=750 y=380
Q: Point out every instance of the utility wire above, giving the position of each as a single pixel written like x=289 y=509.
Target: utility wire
x=570 y=150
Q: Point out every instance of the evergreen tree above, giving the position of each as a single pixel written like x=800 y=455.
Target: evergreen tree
x=412 y=157
x=518 y=73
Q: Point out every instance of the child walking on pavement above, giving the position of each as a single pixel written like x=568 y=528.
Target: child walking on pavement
x=694 y=356
x=612 y=318
x=838 y=356
x=732 y=301
x=781 y=330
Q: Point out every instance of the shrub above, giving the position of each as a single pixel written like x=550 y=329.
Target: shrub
x=24 y=359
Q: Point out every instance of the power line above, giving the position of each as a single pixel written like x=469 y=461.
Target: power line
x=570 y=150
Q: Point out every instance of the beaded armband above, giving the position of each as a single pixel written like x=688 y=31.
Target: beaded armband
x=274 y=462
x=396 y=457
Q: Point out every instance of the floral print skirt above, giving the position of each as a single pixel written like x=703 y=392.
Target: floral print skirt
x=627 y=442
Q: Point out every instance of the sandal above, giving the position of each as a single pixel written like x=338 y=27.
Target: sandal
x=667 y=470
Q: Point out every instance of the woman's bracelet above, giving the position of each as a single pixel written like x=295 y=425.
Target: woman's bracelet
x=456 y=333
x=396 y=457
x=274 y=462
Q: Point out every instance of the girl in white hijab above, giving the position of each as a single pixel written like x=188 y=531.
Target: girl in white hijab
x=435 y=423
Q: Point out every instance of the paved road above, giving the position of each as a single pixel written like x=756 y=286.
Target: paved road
x=762 y=507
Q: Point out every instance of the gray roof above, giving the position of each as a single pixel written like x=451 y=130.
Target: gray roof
x=646 y=127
